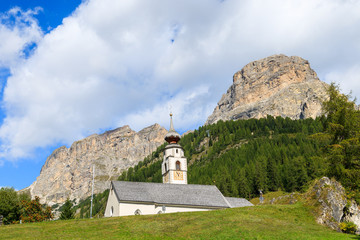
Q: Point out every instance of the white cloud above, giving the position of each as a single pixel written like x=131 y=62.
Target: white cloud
x=18 y=30
x=188 y=108
x=123 y=62
x=349 y=79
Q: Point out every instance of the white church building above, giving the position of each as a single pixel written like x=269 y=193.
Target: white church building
x=173 y=195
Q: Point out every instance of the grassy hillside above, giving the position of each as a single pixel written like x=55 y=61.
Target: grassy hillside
x=259 y=222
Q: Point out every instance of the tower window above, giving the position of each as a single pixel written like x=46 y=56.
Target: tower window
x=177 y=150
x=165 y=168
x=178 y=165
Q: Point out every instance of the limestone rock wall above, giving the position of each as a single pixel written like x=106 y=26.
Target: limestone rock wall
x=277 y=85
x=334 y=207
x=67 y=172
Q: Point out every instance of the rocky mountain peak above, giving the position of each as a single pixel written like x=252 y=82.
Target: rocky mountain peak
x=277 y=85
x=67 y=172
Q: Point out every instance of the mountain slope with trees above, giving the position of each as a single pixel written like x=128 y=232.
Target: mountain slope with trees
x=244 y=156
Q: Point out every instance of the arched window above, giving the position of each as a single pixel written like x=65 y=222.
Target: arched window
x=165 y=168
x=137 y=212
x=111 y=211
x=178 y=167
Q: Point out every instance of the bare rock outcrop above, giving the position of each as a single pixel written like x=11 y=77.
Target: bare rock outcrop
x=328 y=202
x=277 y=85
x=352 y=214
x=334 y=206
x=67 y=172
x=331 y=195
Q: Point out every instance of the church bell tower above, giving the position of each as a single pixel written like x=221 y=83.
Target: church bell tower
x=174 y=165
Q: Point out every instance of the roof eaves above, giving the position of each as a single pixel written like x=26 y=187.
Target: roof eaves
x=113 y=187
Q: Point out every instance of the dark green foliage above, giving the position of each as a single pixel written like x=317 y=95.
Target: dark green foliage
x=343 y=121
x=99 y=205
x=241 y=157
x=67 y=211
x=9 y=205
x=15 y=207
x=263 y=163
x=148 y=170
x=343 y=124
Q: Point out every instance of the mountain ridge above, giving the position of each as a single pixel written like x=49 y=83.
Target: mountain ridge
x=67 y=172
x=277 y=85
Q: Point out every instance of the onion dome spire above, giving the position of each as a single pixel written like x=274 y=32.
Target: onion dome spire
x=172 y=136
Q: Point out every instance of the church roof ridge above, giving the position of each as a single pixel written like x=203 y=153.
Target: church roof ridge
x=174 y=194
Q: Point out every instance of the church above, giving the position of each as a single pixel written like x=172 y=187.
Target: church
x=173 y=195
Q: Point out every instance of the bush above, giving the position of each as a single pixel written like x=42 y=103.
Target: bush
x=33 y=211
x=348 y=227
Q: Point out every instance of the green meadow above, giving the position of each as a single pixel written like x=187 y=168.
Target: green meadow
x=258 y=222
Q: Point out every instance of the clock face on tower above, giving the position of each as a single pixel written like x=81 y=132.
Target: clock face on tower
x=178 y=175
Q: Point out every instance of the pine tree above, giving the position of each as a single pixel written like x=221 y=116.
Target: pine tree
x=67 y=211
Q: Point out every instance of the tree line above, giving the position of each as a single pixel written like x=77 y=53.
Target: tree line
x=16 y=207
x=273 y=153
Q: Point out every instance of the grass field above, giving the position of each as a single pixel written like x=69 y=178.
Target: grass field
x=258 y=222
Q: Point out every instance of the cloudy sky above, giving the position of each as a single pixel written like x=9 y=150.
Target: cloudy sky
x=71 y=68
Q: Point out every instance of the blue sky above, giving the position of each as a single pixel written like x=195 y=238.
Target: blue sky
x=52 y=12
x=69 y=69
x=22 y=174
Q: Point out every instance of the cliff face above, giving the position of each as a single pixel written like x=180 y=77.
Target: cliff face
x=277 y=85
x=67 y=172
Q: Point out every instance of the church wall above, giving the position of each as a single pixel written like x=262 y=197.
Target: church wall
x=128 y=209
x=112 y=202
x=179 y=209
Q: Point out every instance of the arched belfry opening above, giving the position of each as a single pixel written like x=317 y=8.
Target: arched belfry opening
x=174 y=166
x=178 y=165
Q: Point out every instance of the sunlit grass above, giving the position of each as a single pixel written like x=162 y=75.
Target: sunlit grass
x=258 y=222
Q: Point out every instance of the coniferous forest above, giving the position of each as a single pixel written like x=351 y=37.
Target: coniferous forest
x=244 y=156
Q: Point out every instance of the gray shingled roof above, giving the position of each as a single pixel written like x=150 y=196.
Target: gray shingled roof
x=174 y=194
x=238 y=202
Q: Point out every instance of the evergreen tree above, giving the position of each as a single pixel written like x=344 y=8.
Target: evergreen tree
x=343 y=121
x=67 y=210
x=243 y=185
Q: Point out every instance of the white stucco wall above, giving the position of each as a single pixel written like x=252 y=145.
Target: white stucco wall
x=172 y=209
x=128 y=209
x=112 y=202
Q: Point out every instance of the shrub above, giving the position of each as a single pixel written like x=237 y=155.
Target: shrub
x=348 y=227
